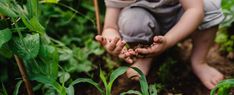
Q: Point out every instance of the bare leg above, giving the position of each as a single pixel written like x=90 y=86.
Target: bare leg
x=143 y=64
x=202 y=41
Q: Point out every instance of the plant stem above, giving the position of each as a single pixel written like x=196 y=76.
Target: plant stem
x=98 y=23
x=24 y=75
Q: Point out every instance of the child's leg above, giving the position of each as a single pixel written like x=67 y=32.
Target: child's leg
x=202 y=41
x=143 y=64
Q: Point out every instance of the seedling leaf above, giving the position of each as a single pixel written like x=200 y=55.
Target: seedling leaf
x=223 y=87
x=115 y=74
x=16 y=91
x=143 y=82
x=131 y=92
x=50 y=1
x=51 y=82
x=86 y=80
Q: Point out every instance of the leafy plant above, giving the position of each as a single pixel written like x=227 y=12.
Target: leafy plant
x=223 y=88
x=28 y=40
x=114 y=75
x=152 y=91
x=145 y=89
x=23 y=29
x=17 y=87
x=225 y=40
x=224 y=37
x=228 y=10
x=73 y=33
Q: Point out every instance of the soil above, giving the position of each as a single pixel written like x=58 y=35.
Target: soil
x=179 y=78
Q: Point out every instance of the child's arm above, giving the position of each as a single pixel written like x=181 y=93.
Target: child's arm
x=110 y=35
x=111 y=28
x=188 y=23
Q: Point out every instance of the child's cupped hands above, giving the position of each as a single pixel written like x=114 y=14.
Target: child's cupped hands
x=159 y=45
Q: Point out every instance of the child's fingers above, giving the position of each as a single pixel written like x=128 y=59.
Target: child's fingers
x=122 y=54
x=142 y=51
x=132 y=52
x=158 y=39
x=119 y=46
x=129 y=60
x=112 y=44
x=101 y=39
x=125 y=58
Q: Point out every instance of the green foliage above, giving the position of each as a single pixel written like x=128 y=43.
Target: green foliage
x=6 y=9
x=131 y=92
x=28 y=47
x=143 y=82
x=48 y=81
x=50 y=1
x=29 y=32
x=87 y=80
x=145 y=88
x=223 y=38
x=39 y=56
x=152 y=91
x=5 y=36
x=223 y=88
x=49 y=57
x=228 y=10
x=35 y=25
x=74 y=35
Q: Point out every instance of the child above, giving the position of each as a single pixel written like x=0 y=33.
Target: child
x=174 y=20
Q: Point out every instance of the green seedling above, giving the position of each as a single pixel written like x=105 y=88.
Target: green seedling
x=223 y=88
x=145 y=88
x=108 y=85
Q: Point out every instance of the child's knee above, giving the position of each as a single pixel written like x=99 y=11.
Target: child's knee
x=137 y=24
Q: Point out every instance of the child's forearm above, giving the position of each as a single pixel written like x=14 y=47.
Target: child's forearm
x=188 y=23
x=111 y=20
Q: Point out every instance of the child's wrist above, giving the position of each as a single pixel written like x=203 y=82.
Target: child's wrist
x=110 y=32
x=169 y=42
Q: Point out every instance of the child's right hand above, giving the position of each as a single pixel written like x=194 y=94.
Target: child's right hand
x=110 y=40
x=115 y=46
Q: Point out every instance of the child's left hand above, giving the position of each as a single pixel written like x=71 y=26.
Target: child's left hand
x=159 y=45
